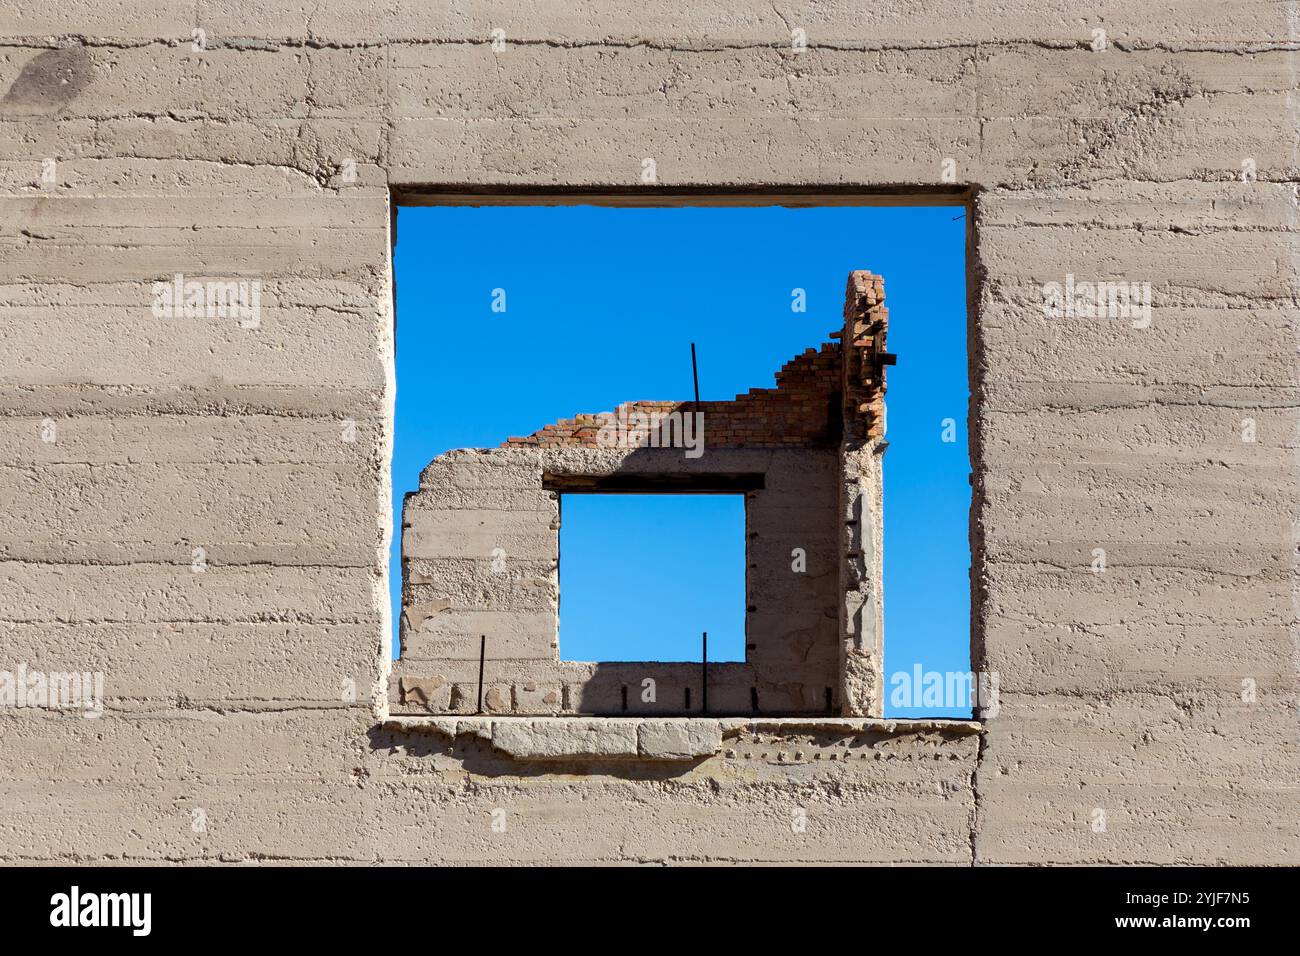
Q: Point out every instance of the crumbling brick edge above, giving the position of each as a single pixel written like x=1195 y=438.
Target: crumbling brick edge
x=656 y=738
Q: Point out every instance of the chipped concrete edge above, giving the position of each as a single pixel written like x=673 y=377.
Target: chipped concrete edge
x=650 y=738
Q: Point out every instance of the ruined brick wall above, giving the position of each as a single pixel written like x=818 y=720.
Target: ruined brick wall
x=864 y=341
x=198 y=507
x=480 y=543
x=481 y=547
x=798 y=412
x=861 y=605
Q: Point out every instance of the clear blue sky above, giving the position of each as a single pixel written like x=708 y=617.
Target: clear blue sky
x=601 y=307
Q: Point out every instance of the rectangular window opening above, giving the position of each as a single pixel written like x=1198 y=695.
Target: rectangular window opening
x=515 y=314
x=644 y=576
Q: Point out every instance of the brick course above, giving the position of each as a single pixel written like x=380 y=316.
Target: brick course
x=815 y=393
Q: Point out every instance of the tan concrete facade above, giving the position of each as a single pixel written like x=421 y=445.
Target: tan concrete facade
x=197 y=505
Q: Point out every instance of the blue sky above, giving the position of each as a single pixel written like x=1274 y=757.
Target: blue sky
x=652 y=553
x=601 y=307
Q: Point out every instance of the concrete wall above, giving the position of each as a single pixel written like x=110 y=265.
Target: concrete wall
x=239 y=680
x=481 y=546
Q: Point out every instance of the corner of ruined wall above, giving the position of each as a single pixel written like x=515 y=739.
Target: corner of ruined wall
x=861 y=496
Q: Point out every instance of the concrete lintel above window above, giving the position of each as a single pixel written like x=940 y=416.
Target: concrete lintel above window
x=656 y=483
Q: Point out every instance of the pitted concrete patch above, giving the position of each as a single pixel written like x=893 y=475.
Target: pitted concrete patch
x=679 y=739
x=556 y=739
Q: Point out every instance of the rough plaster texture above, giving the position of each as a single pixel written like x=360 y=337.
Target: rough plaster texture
x=241 y=695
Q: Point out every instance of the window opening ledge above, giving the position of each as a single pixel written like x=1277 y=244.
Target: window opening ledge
x=677 y=738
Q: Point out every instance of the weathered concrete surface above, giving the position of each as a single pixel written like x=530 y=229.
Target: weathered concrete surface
x=245 y=690
x=568 y=738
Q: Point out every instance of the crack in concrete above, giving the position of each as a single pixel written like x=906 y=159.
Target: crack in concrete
x=978 y=797
x=270 y=44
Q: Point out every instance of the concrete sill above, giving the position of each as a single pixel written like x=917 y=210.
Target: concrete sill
x=650 y=738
